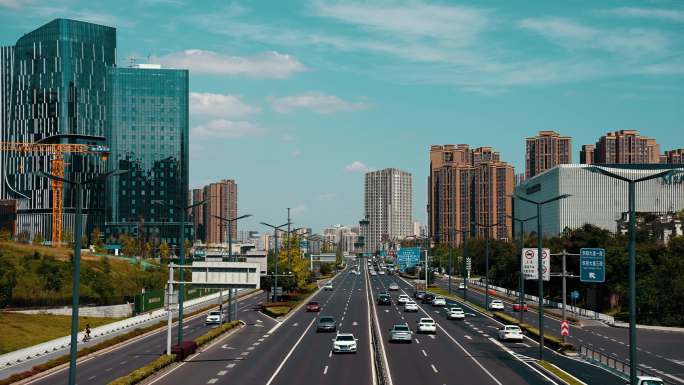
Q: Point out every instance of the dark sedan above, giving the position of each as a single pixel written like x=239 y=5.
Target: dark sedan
x=326 y=324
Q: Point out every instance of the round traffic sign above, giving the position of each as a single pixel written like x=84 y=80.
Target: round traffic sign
x=529 y=254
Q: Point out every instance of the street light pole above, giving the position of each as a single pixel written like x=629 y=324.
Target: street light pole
x=230 y=222
x=181 y=258
x=540 y=265
x=487 y=236
x=521 y=245
x=275 y=277
x=631 y=184
x=76 y=262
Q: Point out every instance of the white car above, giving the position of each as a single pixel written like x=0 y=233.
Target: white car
x=214 y=317
x=427 y=325
x=510 y=332
x=411 y=306
x=461 y=286
x=403 y=298
x=439 y=301
x=372 y=272
x=328 y=286
x=381 y=272
x=496 y=305
x=647 y=380
x=393 y=286
x=455 y=313
x=344 y=343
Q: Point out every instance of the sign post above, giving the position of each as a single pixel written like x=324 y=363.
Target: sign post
x=593 y=265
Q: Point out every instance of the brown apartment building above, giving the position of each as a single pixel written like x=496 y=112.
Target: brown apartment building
x=546 y=150
x=673 y=156
x=621 y=147
x=221 y=200
x=464 y=181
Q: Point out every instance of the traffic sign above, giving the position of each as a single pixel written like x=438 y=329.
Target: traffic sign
x=530 y=264
x=574 y=294
x=565 y=328
x=593 y=265
x=408 y=257
x=469 y=264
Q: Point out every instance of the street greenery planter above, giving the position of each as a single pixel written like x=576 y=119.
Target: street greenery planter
x=140 y=374
x=445 y=293
x=560 y=374
x=215 y=332
x=276 y=311
x=550 y=340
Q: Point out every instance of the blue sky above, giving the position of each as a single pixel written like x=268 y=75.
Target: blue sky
x=296 y=99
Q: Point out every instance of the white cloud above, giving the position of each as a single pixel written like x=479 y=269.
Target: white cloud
x=357 y=166
x=219 y=106
x=226 y=129
x=298 y=209
x=327 y=196
x=575 y=36
x=647 y=13
x=269 y=64
x=296 y=153
x=287 y=138
x=315 y=101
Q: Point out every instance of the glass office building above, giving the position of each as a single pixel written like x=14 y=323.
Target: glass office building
x=53 y=90
x=147 y=131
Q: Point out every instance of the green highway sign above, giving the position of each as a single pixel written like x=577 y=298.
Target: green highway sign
x=592 y=265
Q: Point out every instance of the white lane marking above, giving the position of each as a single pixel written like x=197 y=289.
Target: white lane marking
x=251 y=348
x=222 y=373
x=433 y=368
x=280 y=367
x=355 y=323
x=325 y=371
x=91 y=378
x=212 y=381
x=468 y=337
x=185 y=327
x=417 y=341
x=230 y=366
x=330 y=354
x=244 y=353
x=425 y=354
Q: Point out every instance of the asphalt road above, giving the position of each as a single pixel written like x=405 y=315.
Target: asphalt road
x=291 y=351
x=105 y=367
x=658 y=351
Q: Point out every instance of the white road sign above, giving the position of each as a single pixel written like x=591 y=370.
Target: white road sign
x=530 y=264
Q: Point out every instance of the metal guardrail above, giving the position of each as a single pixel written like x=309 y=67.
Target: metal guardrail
x=380 y=370
x=32 y=352
x=615 y=365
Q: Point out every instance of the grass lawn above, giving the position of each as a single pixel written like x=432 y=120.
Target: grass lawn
x=22 y=330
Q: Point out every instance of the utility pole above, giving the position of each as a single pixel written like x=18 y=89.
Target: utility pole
x=289 y=261
x=565 y=273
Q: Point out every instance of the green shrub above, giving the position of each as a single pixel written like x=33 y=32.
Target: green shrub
x=213 y=333
x=142 y=373
x=277 y=311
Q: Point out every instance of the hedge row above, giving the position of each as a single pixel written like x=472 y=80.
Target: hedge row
x=142 y=373
x=276 y=311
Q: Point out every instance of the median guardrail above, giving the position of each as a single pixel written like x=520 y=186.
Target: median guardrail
x=32 y=352
x=615 y=365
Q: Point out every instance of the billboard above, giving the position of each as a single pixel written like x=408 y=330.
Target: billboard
x=408 y=257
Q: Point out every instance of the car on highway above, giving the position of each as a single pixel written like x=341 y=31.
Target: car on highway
x=213 y=318
x=418 y=294
x=439 y=301
x=326 y=324
x=381 y=272
x=647 y=380
x=518 y=307
x=313 y=306
x=427 y=325
x=393 y=286
x=400 y=333
x=496 y=304
x=461 y=286
x=411 y=307
x=328 y=286
x=510 y=332
x=372 y=272
x=384 y=300
x=383 y=292
x=455 y=313
x=344 y=343
x=427 y=298
x=403 y=298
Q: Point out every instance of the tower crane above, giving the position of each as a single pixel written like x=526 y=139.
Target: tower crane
x=56 y=152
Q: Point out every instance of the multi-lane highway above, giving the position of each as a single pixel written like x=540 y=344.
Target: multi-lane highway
x=101 y=368
x=659 y=351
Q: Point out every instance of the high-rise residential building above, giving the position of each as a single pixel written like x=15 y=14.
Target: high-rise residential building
x=147 y=132
x=221 y=201
x=587 y=154
x=545 y=151
x=387 y=207
x=343 y=236
x=466 y=186
x=53 y=90
x=673 y=156
x=624 y=147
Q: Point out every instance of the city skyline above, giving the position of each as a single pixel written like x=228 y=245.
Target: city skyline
x=280 y=99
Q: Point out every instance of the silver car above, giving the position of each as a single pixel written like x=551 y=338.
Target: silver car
x=393 y=286
x=400 y=333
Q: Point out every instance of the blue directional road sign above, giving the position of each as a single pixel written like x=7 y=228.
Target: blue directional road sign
x=408 y=257
x=574 y=294
x=593 y=265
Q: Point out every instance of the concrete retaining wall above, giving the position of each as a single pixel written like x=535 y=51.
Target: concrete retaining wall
x=113 y=311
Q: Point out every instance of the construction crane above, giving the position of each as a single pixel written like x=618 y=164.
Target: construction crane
x=56 y=152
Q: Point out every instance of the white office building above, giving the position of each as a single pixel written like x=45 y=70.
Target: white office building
x=387 y=207
x=595 y=198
